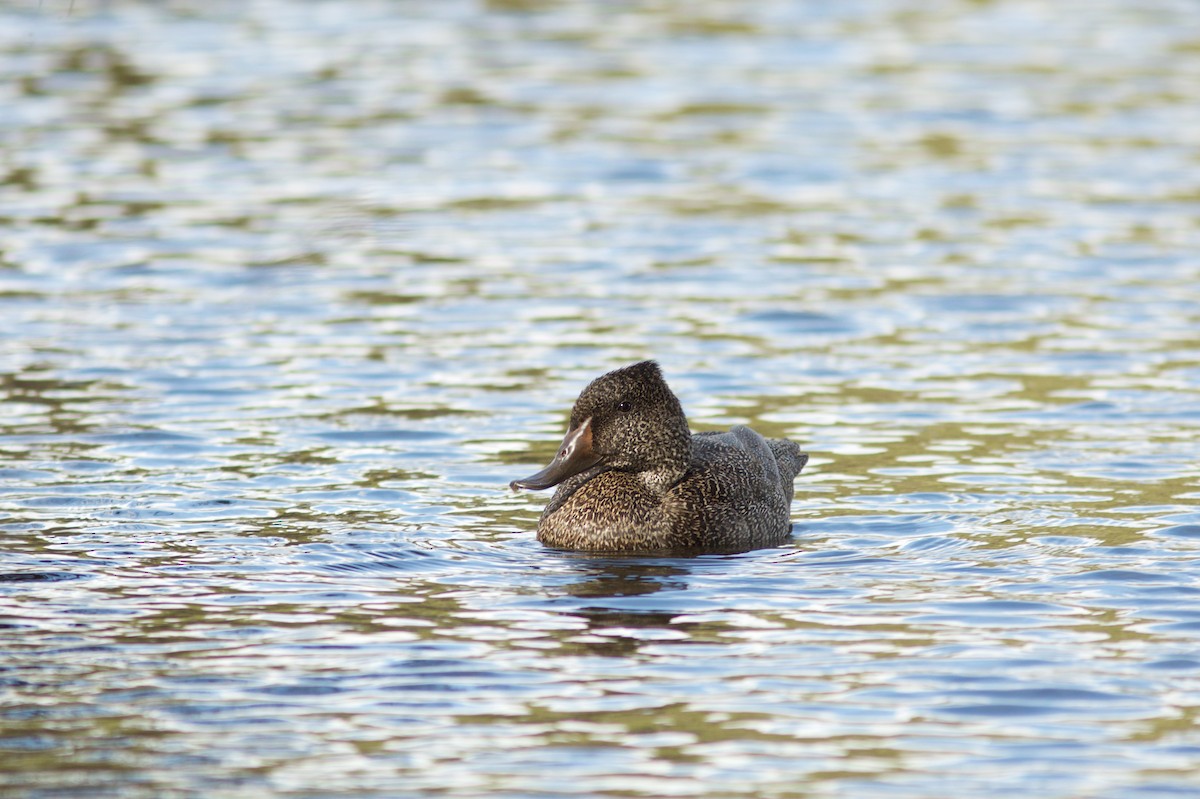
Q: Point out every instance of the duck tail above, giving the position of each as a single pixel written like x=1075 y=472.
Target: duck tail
x=789 y=457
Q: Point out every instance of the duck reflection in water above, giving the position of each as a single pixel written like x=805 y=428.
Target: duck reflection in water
x=632 y=477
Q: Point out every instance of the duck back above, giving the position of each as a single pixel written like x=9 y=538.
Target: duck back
x=738 y=492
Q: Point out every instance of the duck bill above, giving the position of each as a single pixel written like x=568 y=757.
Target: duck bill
x=575 y=454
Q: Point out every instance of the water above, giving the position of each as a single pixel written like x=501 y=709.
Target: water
x=292 y=290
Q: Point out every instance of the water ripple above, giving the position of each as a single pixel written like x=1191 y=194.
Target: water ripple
x=292 y=291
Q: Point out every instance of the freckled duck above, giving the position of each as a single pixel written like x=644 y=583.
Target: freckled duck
x=631 y=477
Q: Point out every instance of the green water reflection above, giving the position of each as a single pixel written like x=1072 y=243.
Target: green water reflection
x=292 y=290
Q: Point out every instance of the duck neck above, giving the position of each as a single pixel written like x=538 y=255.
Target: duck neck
x=672 y=462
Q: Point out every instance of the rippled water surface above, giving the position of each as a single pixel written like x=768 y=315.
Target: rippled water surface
x=291 y=290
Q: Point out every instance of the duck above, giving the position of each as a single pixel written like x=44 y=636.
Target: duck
x=630 y=476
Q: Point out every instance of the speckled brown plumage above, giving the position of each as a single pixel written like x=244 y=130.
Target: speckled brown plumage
x=631 y=477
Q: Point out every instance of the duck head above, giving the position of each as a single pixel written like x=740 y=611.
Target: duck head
x=627 y=420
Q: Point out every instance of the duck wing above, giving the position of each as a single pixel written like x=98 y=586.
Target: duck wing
x=735 y=495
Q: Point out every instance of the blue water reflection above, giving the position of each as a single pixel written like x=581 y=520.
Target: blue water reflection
x=291 y=291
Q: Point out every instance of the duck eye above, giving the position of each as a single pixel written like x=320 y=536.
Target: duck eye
x=623 y=406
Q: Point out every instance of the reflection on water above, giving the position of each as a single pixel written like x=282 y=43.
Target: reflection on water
x=291 y=291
